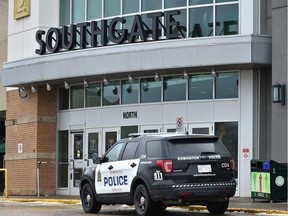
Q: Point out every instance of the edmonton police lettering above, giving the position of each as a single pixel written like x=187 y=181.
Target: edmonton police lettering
x=116 y=180
x=65 y=38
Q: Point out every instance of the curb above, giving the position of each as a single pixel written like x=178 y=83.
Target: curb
x=191 y=207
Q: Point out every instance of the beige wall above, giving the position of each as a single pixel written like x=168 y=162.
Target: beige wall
x=3 y=47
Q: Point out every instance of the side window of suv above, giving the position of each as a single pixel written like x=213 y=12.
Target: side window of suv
x=131 y=151
x=155 y=149
x=114 y=153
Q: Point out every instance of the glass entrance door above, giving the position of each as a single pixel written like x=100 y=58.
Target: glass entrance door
x=111 y=136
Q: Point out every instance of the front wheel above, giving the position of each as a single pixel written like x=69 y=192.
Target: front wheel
x=89 y=202
x=142 y=201
x=218 y=207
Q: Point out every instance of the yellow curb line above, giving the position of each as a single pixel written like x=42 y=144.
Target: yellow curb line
x=41 y=200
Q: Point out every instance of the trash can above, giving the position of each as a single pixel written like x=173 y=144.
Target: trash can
x=268 y=180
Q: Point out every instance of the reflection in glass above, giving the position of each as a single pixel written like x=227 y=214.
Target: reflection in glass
x=227 y=85
x=130 y=92
x=111 y=138
x=200 y=87
x=173 y=3
x=77 y=177
x=93 y=139
x=126 y=130
x=63 y=98
x=174 y=88
x=111 y=8
x=151 y=5
x=227 y=17
x=77 y=97
x=94 y=9
x=150 y=90
x=93 y=95
x=78 y=146
x=62 y=159
x=111 y=94
x=78 y=11
x=181 y=18
x=201 y=22
x=130 y=6
x=199 y=2
x=228 y=134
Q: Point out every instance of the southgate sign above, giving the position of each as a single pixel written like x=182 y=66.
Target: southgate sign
x=65 y=38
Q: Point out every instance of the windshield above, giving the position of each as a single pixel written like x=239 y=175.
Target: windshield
x=196 y=147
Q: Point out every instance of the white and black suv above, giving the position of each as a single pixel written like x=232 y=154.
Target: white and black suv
x=156 y=171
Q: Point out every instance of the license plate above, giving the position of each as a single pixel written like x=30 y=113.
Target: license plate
x=204 y=168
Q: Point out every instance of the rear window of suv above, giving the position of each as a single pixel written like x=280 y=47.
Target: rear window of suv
x=196 y=147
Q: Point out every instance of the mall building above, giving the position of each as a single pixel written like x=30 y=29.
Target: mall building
x=82 y=74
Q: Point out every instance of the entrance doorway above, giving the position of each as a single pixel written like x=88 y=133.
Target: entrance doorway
x=111 y=136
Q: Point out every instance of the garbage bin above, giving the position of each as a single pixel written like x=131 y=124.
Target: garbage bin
x=268 y=180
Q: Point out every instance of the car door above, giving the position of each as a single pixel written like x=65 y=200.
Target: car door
x=117 y=169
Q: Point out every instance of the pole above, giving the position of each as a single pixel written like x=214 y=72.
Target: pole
x=6 y=181
x=38 y=176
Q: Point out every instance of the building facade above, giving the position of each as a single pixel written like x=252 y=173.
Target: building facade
x=87 y=73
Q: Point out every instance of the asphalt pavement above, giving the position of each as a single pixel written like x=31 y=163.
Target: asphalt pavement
x=237 y=204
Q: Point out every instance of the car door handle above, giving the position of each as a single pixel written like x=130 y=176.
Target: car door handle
x=110 y=167
x=133 y=165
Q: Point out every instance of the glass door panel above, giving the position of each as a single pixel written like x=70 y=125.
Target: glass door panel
x=111 y=136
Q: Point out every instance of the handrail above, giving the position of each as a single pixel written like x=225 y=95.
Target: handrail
x=6 y=181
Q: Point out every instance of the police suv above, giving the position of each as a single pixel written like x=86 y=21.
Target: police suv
x=156 y=171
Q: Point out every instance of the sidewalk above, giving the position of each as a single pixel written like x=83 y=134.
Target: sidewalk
x=237 y=204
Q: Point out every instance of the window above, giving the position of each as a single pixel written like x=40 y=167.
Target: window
x=93 y=144
x=62 y=159
x=148 y=5
x=65 y=12
x=114 y=153
x=200 y=87
x=150 y=90
x=77 y=97
x=130 y=6
x=154 y=149
x=227 y=19
x=173 y=3
x=93 y=95
x=63 y=98
x=174 y=88
x=126 y=130
x=199 y=2
x=94 y=9
x=111 y=8
x=78 y=11
x=130 y=92
x=111 y=94
x=201 y=22
x=227 y=85
x=131 y=151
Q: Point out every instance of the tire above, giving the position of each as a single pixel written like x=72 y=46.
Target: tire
x=218 y=207
x=89 y=203
x=143 y=204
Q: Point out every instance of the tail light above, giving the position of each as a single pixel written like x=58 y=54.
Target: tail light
x=166 y=165
x=232 y=163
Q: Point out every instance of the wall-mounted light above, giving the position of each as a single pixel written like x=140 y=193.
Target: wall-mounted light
x=213 y=73
x=278 y=93
x=105 y=81
x=48 y=87
x=130 y=79
x=157 y=78
x=185 y=75
x=86 y=83
x=66 y=85
x=22 y=92
x=33 y=89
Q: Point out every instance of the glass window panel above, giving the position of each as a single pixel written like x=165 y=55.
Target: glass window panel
x=201 y=22
x=200 y=87
x=93 y=143
x=151 y=5
x=111 y=94
x=94 y=9
x=174 y=88
x=78 y=146
x=78 y=11
x=227 y=19
x=63 y=99
x=130 y=92
x=199 y=2
x=219 y=1
x=173 y=3
x=228 y=134
x=130 y=6
x=126 y=130
x=182 y=30
x=150 y=90
x=111 y=8
x=148 y=26
x=131 y=150
x=93 y=95
x=62 y=159
x=64 y=12
x=227 y=85
x=77 y=97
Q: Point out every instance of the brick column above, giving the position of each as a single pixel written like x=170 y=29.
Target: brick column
x=31 y=121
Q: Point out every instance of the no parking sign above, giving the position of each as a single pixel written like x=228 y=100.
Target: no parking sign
x=179 y=123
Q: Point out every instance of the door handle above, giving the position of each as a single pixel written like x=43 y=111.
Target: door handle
x=133 y=165
x=110 y=167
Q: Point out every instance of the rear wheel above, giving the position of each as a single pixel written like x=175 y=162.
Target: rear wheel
x=89 y=202
x=142 y=201
x=218 y=207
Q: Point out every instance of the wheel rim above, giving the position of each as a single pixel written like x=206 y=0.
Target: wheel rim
x=87 y=199
x=141 y=201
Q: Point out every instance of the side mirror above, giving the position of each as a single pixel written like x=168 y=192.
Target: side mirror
x=95 y=158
